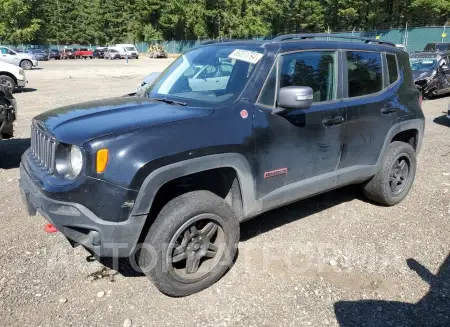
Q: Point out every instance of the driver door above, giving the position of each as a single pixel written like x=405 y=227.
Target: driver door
x=9 y=56
x=298 y=150
x=445 y=73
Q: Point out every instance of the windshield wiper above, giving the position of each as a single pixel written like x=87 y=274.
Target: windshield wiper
x=170 y=101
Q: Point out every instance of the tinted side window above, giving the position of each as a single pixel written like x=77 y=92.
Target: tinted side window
x=365 y=73
x=314 y=69
x=392 y=68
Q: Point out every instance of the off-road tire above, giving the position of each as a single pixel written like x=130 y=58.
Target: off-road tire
x=378 y=188
x=172 y=217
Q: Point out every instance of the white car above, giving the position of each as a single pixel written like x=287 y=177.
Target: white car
x=127 y=50
x=24 y=60
x=211 y=78
x=12 y=76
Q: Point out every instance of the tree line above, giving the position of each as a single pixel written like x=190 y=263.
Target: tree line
x=112 y=21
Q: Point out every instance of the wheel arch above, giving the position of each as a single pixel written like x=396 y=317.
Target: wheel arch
x=400 y=132
x=25 y=59
x=163 y=175
x=9 y=75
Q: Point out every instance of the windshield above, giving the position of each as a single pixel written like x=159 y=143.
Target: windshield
x=423 y=64
x=207 y=76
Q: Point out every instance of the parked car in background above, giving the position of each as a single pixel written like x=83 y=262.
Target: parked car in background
x=24 y=60
x=431 y=72
x=84 y=53
x=8 y=112
x=127 y=50
x=99 y=53
x=54 y=54
x=169 y=177
x=12 y=76
x=157 y=51
x=112 y=53
x=67 y=53
x=39 y=54
x=438 y=46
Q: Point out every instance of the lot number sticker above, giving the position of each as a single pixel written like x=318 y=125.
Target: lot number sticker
x=245 y=55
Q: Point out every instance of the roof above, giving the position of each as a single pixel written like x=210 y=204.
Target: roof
x=309 y=41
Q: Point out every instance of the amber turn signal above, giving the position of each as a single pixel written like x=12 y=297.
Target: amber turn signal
x=102 y=160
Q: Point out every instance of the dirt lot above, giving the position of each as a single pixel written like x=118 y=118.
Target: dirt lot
x=294 y=264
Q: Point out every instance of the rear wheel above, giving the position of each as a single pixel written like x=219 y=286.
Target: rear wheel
x=394 y=180
x=191 y=244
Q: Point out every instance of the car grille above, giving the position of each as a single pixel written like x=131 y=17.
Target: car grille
x=43 y=149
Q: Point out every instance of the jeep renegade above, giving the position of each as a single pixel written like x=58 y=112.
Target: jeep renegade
x=228 y=131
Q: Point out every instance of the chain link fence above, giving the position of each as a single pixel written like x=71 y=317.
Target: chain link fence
x=413 y=38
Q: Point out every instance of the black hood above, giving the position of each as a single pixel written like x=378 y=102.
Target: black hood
x=77 y=124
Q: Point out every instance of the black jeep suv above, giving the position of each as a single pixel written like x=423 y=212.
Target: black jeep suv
x=228 y=131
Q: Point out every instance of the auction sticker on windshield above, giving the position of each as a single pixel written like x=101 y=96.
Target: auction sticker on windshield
x=245 y=55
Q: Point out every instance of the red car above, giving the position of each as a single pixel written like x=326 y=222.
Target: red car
x=84 y=53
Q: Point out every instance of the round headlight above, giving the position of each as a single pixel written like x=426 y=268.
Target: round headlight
x=76 y=160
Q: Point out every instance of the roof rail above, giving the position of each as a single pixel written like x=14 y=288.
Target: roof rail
x=326 y=35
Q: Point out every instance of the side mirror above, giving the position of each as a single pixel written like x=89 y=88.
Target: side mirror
x=445 y=68
x=295 y=97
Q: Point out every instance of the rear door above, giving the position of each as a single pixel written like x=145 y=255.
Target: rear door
x=371 y=80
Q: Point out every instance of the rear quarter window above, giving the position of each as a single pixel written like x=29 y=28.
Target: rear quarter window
x=392 y=68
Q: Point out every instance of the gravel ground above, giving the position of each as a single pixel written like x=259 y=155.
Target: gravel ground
x=295 y=266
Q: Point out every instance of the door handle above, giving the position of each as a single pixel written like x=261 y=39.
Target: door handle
x=333 y=121
x=388 y=110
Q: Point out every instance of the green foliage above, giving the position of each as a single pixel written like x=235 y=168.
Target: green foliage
x=113 y=21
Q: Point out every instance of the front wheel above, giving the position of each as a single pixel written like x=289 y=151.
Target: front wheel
x=26 y=64
x=8 y=131
x=191 y=244
x=394 y=180
x=8 y=82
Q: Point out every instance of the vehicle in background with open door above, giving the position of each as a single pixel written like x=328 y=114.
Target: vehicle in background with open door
x=431 y=72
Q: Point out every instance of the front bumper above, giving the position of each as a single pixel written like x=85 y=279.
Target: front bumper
x=22 y=83
x=35 y=63
x=80 y=225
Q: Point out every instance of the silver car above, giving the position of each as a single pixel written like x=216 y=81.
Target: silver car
x=24 y=60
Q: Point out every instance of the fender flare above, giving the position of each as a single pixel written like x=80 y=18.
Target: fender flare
x=418 y=124
x=156 y=179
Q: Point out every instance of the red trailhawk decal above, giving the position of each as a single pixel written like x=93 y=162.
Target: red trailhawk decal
x=277 y=172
